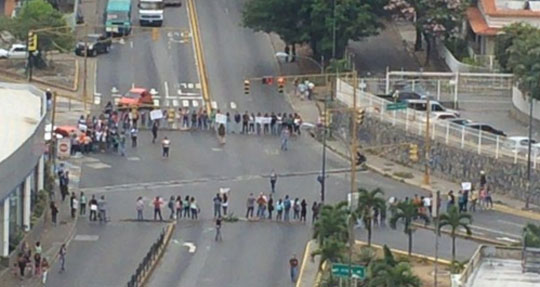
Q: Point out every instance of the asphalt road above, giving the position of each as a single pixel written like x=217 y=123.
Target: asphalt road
x=166 y=64
x=251 y=253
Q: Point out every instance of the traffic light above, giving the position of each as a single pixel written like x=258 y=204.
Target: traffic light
x=360 y=116
x=413 y=152
x=267 y=80
x=155 y=34
x=246 y=87
x=281 y=84
x=32 y=42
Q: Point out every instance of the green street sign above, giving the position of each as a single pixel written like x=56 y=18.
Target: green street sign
x=396 y=106
x=342 y=270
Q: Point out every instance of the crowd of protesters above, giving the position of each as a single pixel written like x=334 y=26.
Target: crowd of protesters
x=112 y=130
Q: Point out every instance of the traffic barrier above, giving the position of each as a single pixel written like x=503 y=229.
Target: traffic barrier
x=145 y=268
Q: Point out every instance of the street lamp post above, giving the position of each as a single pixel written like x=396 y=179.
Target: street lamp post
x=320 y=65
x=323 y=170
x=529 y=146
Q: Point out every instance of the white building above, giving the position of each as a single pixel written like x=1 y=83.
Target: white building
x=23 y=110
x=490 y=16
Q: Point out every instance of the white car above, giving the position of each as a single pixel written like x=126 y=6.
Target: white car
x=440 y=116
x=17 y=51
x=520 y=144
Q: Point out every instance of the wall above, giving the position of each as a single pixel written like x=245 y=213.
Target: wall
x=450 y=163
x=455 y=65
x=521 y=108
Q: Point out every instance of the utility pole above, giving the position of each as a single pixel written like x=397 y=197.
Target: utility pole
x=85 y=69
x=435 y=209
x=52 y=148
x=528 y=197
x=354 y=134
x=427 y=144
x=325 y=128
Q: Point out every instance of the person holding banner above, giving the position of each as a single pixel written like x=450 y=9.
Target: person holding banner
x=221 y=133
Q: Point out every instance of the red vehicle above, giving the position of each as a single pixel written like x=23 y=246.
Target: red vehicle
x=136 y=97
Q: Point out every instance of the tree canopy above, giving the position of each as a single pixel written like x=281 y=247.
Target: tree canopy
x=39 y=14
x=312 y=21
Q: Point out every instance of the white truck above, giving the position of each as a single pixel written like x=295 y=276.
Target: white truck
x=151 y=12
x=17 y=51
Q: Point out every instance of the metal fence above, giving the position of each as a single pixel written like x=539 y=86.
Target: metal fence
x=446 y=86
x=451 y=134
x=146 y=265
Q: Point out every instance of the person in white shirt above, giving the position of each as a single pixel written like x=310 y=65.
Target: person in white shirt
x=166 y=143
x=427 y=204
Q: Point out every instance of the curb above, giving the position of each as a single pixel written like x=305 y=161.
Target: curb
x=304 y=260
x=168 y=235
x=405 y=253
x=464 y=235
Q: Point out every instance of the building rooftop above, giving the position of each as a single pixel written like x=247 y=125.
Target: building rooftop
x=495 y=272
x=478 y=23
x=508 y=8
x=20 y=113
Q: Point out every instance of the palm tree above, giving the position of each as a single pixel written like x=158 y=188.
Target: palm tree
x=455 y=219
x=368 y=201
x=332 y=223
x=531 y=234
x=385 y=275
x=331 y=250
x=407 y=212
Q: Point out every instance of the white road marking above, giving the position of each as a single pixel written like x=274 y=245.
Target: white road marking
x=233 y=105
x=97 y=99
x=214 y=105
x=86 y=237
x=190 y=85
x=191 y=247
x=198 y=86
x=132 y=85
x=510 y=222
x=185 y=103
x=156 y=102
x=195 y=104
x=494 y=231
x=175 y=103
x=166 y=85
x=134 y=158
x=98 y=165
x=271 y=151
x=131 y=44
x=216 y=149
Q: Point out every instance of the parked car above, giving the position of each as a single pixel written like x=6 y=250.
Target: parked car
x=440 y=116
x=519 y=144
x=486 y=128
x=97 y=44
x=17 y=51
x=421 y=105
x=461 y=121
x=136 y=97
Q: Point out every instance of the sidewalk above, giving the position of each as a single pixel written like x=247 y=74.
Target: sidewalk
x=309 y=110
x=51 y=238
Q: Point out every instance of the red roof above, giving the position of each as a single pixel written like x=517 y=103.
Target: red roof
x=478 y=23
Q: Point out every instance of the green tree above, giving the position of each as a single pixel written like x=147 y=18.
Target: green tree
x=505 y=39
x=407 y=212
x=368 y=201
x=399 y=274
x=455 y=220
x=524 y=62
x=531 y=235
x=332 y=223
x=331 y=250
x=432 y=18
x=39 y=14
x=312 y=21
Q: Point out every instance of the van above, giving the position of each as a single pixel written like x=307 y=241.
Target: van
x=421 y=105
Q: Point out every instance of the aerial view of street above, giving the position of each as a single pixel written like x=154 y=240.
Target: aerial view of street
x=202 y=143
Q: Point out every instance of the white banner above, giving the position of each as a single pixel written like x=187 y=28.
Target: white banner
x=266 y=120
x=221 y=119
x=466 y=186
x=156 y=115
